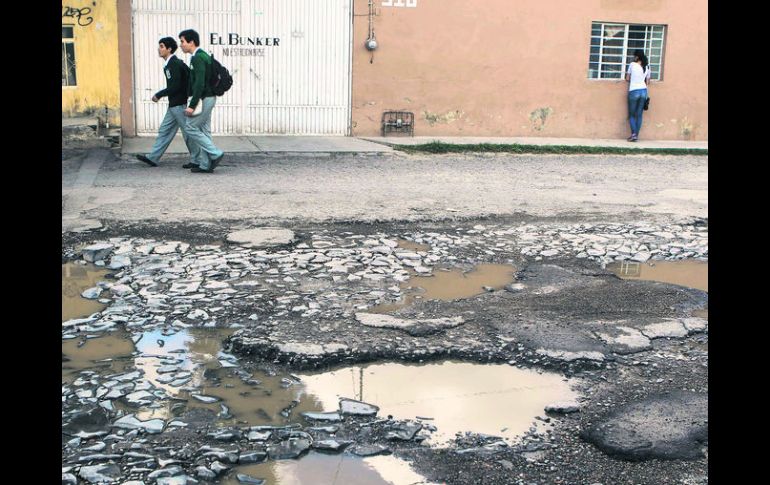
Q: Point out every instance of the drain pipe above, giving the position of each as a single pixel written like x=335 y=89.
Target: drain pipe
x=371 y=42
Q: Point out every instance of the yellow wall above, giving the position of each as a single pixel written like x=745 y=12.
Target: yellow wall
x=96 y=58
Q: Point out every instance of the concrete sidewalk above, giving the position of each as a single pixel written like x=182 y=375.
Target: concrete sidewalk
x=348 y=144
x=266 y=144
x=473 y=140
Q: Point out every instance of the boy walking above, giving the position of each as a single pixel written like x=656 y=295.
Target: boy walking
x=202 y=149
x=176 y=73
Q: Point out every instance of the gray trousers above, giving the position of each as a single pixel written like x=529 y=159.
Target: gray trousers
x=173 y=121
x=202 y=149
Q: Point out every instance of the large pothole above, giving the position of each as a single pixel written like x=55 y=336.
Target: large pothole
x=689 y=273
x=170 y=400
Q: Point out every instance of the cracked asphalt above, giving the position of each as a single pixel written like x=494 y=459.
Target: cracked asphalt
x=639 y=347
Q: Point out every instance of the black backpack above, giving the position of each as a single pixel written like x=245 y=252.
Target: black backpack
x=221 y=80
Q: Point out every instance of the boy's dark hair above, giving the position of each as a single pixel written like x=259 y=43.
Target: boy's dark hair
x=191 y=36
x=169 y=42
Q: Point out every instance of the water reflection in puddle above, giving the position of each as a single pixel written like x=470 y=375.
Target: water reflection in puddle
x=191 y=352
x=257 y=400
x=76 y=278
x=689 y=273
x=495 y=399
x=318 y=468
x=159 y=350
x=451 y=284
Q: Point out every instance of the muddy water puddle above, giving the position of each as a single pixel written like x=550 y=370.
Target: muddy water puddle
x=495 y=399
x=189 y=366
x=76 y=278
x=318 y=468
x=498 y=400
x=451 y=284
x=108 y=353
x=188 y=351
x=185 y=364
x=257 y=399
x=689 y=273
x=701 y=313
x=412 y=246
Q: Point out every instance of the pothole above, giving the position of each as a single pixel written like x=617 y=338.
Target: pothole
x=75 y=279
x=110 y=353
x=689 y=273
x=318 y=468
x=451 y=284
x=493 y=399
x=412 y=246
x=188 y=368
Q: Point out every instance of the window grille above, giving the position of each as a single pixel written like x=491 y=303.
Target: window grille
x=68 y=76
x=613 y=46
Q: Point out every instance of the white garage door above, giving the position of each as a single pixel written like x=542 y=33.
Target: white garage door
x=290 y=61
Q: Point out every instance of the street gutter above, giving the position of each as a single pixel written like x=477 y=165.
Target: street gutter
x=440 y=147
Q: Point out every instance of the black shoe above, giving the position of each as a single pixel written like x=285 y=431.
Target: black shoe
x=189 y=165
x=146 y=160
x=216 y=161
x=197 y=169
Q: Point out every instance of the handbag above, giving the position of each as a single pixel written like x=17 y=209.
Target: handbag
x=647 y=103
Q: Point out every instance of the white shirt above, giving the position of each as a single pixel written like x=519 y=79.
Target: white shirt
x=167 y=60
x=638 y=75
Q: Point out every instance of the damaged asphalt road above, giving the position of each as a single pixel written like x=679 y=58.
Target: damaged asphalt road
x=552 y=316
x=637 y=349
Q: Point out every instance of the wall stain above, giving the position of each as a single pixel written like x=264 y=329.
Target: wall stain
x=446 y=118
x=539 y=117
x=687 y=128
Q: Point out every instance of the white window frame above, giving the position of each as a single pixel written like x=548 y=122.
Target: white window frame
x=70 y=40
x=653 y=32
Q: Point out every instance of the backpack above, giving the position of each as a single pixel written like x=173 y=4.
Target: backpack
x=221 y=80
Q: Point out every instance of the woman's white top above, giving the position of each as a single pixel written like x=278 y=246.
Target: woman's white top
x=638 y=75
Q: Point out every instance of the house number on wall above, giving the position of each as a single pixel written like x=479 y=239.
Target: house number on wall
x=399 y=3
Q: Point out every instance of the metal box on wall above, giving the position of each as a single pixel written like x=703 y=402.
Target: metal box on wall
x=397 y=122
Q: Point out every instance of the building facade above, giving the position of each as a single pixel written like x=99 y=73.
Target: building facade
x=462 y=67
x=530 y=67
x=90 y=75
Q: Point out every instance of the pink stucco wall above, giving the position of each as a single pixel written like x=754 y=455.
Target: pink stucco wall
x=501 y=67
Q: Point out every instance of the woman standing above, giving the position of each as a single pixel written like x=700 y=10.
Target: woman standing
x=638 y=76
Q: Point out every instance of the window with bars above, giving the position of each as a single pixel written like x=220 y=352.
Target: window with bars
x=68 y=77
x=613 y=46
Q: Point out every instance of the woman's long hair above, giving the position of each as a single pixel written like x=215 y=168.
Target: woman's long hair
x=640 y=54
